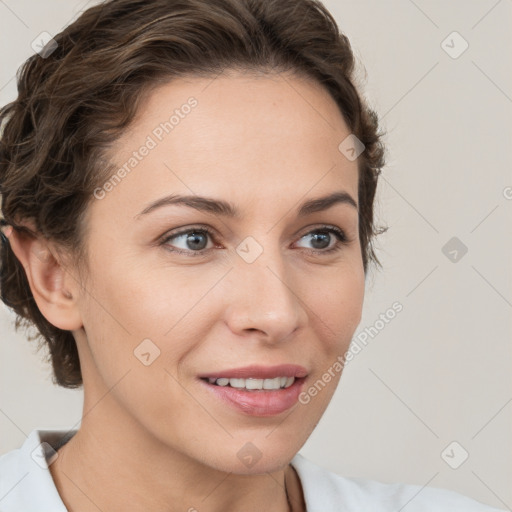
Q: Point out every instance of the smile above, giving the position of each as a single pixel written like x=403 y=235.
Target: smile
x=253 y=383
x=251 y=399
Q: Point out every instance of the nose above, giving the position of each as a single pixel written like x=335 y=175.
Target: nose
x=262 y=297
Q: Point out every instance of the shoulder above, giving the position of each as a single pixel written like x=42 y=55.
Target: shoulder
x=26 y=483
x=328 y=491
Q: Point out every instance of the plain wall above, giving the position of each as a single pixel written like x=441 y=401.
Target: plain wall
x=439 y=371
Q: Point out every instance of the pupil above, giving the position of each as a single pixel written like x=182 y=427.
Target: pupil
x=316 y=236
x=194 y=238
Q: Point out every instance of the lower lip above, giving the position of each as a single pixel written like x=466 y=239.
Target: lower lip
x=258 y=402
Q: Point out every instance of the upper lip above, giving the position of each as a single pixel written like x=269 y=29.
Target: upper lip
x=259 y=372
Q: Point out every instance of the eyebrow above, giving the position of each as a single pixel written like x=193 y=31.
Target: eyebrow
x=226 y=209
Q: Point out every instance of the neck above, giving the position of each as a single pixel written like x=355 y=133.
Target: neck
x=113 y=464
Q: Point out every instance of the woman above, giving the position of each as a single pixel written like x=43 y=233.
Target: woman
x=145 y=129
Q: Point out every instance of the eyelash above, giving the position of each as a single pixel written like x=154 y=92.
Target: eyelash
x=340 y=235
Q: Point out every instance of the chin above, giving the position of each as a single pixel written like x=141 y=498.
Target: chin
x=251 y=461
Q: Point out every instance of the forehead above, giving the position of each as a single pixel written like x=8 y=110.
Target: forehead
x=235 y=134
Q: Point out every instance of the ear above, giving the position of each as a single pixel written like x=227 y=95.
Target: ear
x=54 y=289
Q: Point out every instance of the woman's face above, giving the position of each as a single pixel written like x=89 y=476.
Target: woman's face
x=163 y=309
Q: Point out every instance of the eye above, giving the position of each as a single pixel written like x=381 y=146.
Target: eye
x=193 y=241
x=322 y=238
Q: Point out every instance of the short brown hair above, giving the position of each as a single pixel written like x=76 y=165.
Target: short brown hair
x=77 y=100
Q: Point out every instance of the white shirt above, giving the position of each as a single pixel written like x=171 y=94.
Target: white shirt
x=26 y=485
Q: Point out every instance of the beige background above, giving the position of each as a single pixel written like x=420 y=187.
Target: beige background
x=440 y=370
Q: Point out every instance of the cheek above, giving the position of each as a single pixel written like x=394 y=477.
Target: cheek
x=145 y=300
x=129 y=305
x=138 y=331
x=338 y=308
x=336 y=305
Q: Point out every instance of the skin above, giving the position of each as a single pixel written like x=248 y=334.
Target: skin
x=151 y=435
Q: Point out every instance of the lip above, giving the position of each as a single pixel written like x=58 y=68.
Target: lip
x=261 y=403
x=259 y=372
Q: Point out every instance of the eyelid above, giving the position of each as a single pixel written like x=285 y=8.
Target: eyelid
x=183 y=231
x=342 y=238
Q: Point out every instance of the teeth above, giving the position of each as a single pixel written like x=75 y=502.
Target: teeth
x=272 y=383
x=237 y=383
x=252 y=384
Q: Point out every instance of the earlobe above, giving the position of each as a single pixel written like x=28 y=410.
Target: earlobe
x=54 y=289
